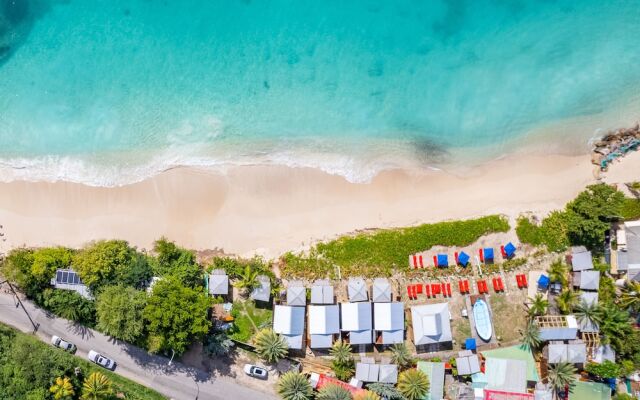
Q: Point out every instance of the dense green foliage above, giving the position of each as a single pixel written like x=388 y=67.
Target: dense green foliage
x=120 y=312
x=561 y=375
x=401 y=355
x=176 y=316
x=583 y=221
x=176 y=262
x=630 y=209
x=413 y=384
x=531 y=336
x=105 y=263
x=69 y=305
x=385 y=390
x=605 y=370
x=380 y=252
x=270 y=346
x=333 y=392
x=29 y=368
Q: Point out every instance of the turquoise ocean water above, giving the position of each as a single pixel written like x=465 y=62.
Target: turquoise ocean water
x=111 y=91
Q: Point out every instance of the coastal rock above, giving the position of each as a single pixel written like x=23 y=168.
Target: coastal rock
x=614 y=145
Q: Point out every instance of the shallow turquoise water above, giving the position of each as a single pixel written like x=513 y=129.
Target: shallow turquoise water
x=107 y=92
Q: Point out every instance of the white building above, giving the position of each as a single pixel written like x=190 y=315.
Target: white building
x=288 y=321
x=356 y=321
x=431 y=326
x=324 y=324
x=388 y=321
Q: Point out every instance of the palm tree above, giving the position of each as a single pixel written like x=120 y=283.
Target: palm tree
x=401 y=355
x=341 y=352
x=630 y=296
x=558 y=273
x=567 y=300
x=615 y=326
x=96 y=387
x=413 y=384
x=589 y=314
x=62 y=389
x=294 y=386
x=385 y=390
x=333 y=392
x=367 y=395
x=538 y=305
x=248 y=280
x=560 y=376
x=531 y=336
x=270 y=346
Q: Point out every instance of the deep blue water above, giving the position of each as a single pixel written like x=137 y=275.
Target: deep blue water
x=107 y=92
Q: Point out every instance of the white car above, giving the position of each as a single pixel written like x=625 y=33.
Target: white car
x=101 y=360
x=255 y=371
x=63 y=344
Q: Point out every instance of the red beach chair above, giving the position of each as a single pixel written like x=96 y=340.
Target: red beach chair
x=504 y=253
x=466 y=286
x=455 y=255
x=443 y=288
x=448 y=289
x=481 y=254
x=435 y=289
x=415 y=261
x=418 y=289
x=496 y=287
x=501 y=284
x=461 y=286
x=409 y=294
x=518 y=282
x=421 y=262
x=427 y=290
x=524 y=281
x=435 y=262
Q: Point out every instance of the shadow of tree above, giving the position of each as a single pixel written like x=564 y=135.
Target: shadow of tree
x=79 y=329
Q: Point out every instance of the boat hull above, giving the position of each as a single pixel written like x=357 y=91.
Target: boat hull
x=482 y=320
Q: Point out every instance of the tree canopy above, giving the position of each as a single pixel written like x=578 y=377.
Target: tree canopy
x=105 y=263
x=176 y=316
x=174 y=261
x=120 y=312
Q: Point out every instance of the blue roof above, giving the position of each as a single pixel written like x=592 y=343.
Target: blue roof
x=470 y=344
x=543 y=281
x=443 y=260
x=463 y=258
x=488 y=253
x=510 y=249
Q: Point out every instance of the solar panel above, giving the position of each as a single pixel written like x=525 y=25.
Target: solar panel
x=58 y=276
x=67 y=277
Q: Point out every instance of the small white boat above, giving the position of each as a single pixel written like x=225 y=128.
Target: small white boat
x=482 y=320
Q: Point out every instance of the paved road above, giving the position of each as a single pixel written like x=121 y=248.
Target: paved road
x=177 y=381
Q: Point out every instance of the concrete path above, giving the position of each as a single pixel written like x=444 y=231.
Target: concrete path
x=177 y=381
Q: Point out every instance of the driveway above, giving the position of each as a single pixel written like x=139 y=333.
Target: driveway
x=177 y=381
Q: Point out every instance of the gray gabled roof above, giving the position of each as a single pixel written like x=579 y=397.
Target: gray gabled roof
x=262 y=292
x=218 y=282
x=388 y=373
x=367 y=372
x=296 y=294
x=322 y=292
x=381 y=290
x=357 y=290
x=589 y=280
x=581 y=259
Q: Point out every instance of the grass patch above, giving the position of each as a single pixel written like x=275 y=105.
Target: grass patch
x=509 y=318
x=380 y=252
x=630 y=209
x=552 y=232
x=247 y=317
x=30 y=366
x=461 y=331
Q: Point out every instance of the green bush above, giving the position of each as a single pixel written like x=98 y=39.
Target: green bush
x=606 y=370
x=69 y=305
x=380 y=252
x=630 y=209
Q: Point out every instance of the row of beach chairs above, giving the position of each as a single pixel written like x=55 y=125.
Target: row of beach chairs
x=434 y=289
x=486 y=255
x=430 y=290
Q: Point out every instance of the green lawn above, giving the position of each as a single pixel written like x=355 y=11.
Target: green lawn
x=382 y=251
x=630 y=209
x=247 y=318
x=30 y=366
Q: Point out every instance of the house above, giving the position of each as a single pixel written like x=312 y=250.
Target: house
x=516 y=353
x=557 y=327
x=388 y=373
x=581 y=259
x=381 y=290
x=263 y=291
x=356 y=322
x=357 y=290
x=629 y=250
x=218 y=284
x=467 y=363
x=324 y=324
x=288 y=321
x=589 y=391
x=589 y=280
x=68 y=279
x=296 y=294
x=603 y=353
x=431 y=327
x=506 y=375
x=388 y=322
x=384 y=373
x=322 y=292
x=435 y=372
x=573 y=353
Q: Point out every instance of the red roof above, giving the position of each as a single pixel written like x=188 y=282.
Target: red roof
x=324 y=380
x=500 y=395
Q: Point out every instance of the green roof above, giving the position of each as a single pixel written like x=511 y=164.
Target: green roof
x=590 y=391
x=435 y=372
x=516 y=352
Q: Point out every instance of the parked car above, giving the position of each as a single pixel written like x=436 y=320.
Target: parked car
x=101 y=360
x=63 y=344
x=255 y=371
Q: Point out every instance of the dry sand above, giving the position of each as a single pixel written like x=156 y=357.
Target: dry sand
x=269 y=210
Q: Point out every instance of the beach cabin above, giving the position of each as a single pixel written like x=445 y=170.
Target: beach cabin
x=557 y=327
x=324 y=325
x=218 y=284
x=435 y=372
x=288 y=321
x=296 y=294
x=628 y=254
x=589 y=280
x=573 y=353
x=462 y=258
x=322 y=292
x=431 y=327
x=388 y=323
x=381 y=290
x=356 y=323
x=581 y=259
x=68 y=279
x=467 y=363
x=511 y=369
x=357 y=290
x=263 y=291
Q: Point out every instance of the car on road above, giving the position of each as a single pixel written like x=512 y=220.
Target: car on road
x=255 y=371
x=63 y=344
x=101 y=360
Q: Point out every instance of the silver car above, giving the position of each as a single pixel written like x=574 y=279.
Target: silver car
x=63 y=344
x=101 y=360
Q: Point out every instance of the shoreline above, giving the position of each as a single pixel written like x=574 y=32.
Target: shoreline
x=268 y=210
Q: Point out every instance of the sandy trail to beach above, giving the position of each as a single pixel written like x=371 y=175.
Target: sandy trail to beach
x=269 y=210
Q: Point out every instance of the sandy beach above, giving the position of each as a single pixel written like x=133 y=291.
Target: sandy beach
x=268 y=210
